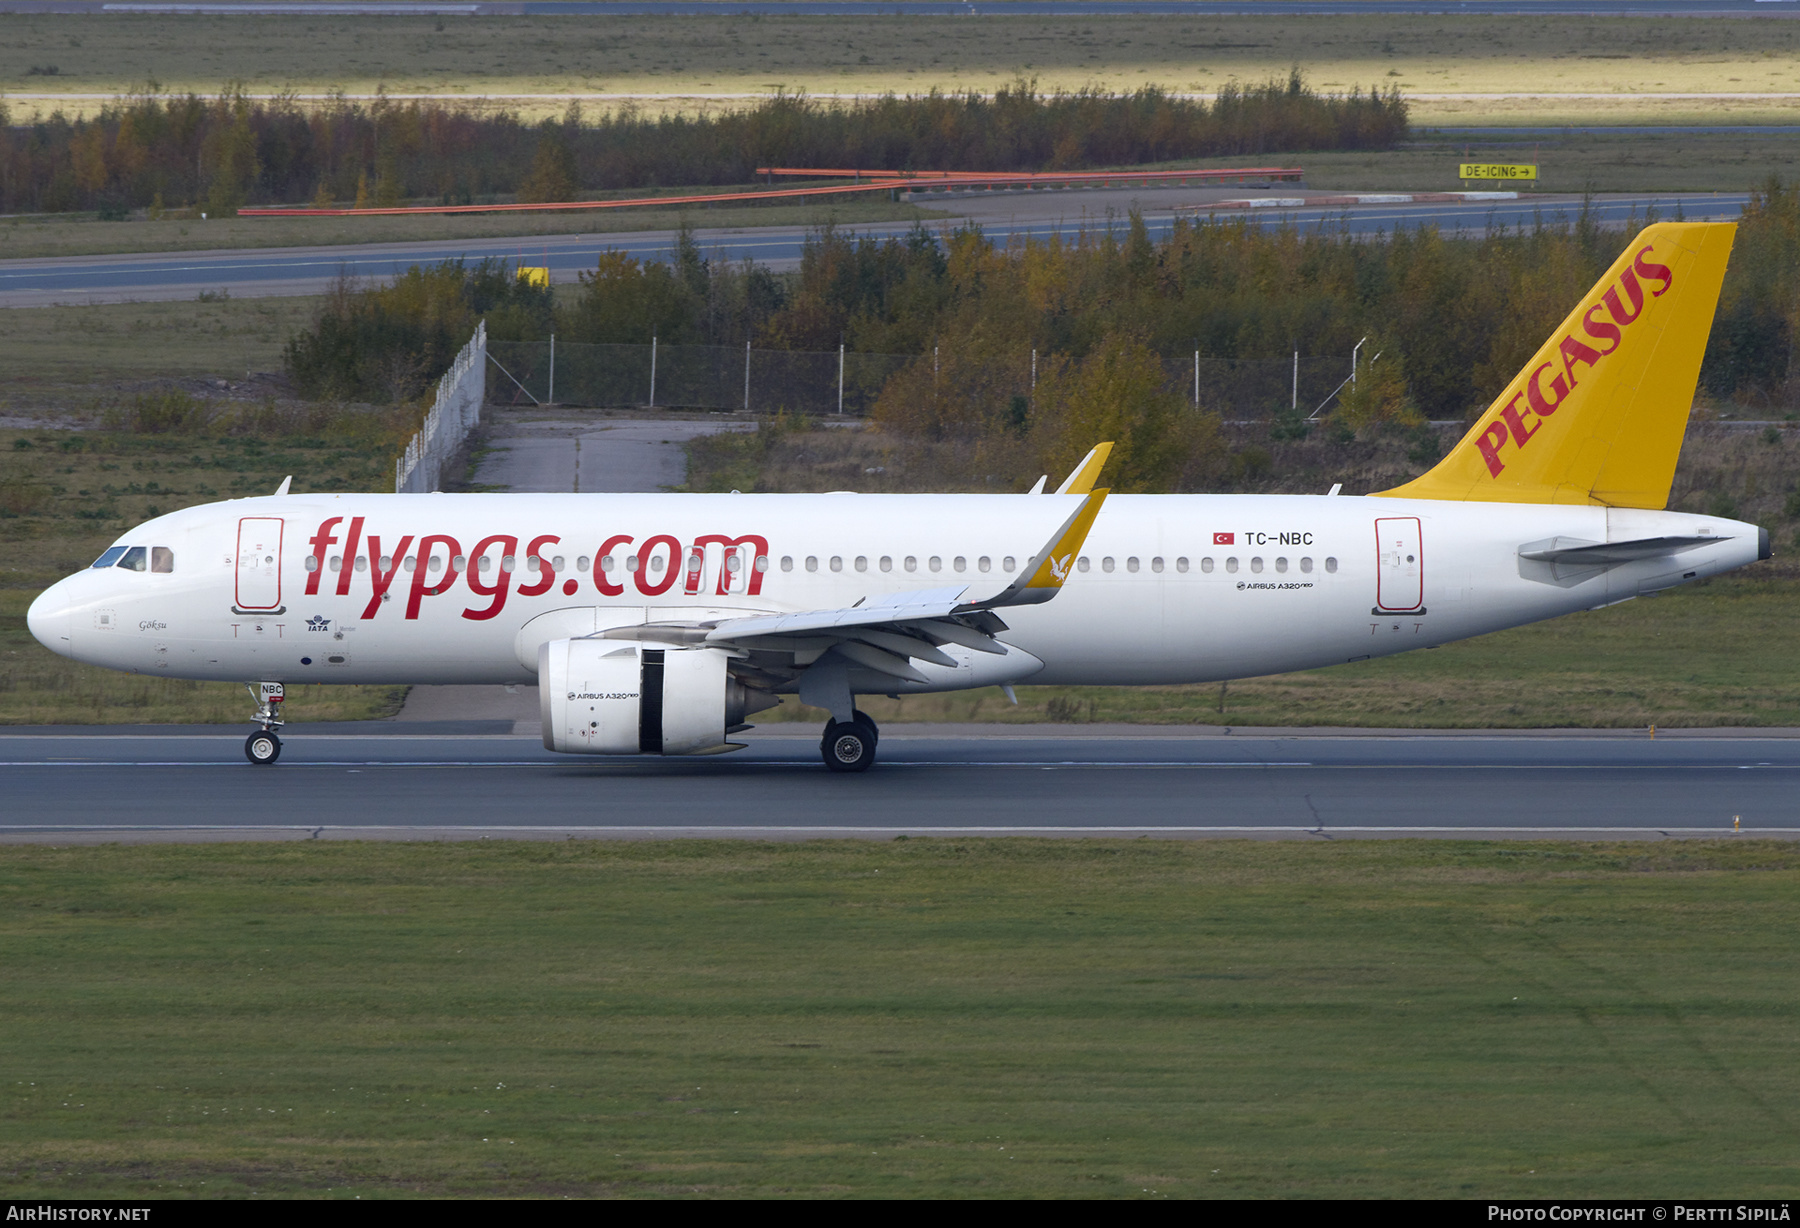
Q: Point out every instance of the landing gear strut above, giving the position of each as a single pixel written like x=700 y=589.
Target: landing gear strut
x=849 y=746
x=263 y=747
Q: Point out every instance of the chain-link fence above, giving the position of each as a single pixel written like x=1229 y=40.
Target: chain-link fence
x=769 y=381
x=457 y=410
x=1249 y=388
x=690 y=377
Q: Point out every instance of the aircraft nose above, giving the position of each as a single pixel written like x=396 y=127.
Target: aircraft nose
x=48 y=618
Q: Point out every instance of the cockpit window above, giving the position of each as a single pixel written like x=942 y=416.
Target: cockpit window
x=110 y=557
x=134 y=559
x=162 y=559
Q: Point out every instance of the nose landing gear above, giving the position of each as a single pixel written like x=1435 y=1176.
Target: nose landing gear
x=263 y=747
x=849 y=746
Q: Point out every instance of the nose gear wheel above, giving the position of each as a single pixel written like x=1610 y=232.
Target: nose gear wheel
x=262 y=747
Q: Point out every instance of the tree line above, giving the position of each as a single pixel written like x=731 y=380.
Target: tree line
x=1114 y=315
x=156 y=150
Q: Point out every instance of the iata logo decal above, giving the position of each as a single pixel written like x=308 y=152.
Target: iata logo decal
x=318 y=622
x=1517 y=423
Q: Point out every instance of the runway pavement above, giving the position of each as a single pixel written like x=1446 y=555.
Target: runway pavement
x=259 y=272
x=454 y=781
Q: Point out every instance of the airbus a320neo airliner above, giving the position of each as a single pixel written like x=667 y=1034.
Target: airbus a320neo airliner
x=658 y=624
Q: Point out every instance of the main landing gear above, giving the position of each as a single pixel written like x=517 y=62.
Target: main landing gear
x=263 y=747
x=849 y=746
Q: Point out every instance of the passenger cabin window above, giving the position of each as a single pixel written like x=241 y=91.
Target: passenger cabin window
x=812 y=562
x=162 y=559
x=1131 y=564
x=1106 y=564
x=1206 y=565
x=1156 y=565
x=134 y=559
x=1181 y=565
x=787 y=562
x=110 y=558
x=1081 y=564
x=1331 y=565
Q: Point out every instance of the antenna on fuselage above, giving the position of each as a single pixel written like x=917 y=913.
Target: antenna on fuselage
x=285 y=483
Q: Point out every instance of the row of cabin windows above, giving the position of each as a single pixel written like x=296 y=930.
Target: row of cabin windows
x=164 y=560
x=909 y=563
x=1107 y=564
x=137 y=558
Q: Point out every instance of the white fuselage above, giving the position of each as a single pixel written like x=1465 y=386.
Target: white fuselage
x=1171 y=588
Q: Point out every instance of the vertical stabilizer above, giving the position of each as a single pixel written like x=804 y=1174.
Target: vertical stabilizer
x=1598 y=414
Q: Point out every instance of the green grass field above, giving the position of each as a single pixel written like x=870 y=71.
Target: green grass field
x=915 y=1018
x=73 y=357
x=1511 y=64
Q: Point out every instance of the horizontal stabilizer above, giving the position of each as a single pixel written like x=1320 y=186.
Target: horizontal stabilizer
x=1572 y=552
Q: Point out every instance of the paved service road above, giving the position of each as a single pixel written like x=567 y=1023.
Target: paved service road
x=60 y=784
x=255 y=272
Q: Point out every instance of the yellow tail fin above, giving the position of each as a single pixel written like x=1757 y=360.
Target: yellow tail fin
x=1598 y=414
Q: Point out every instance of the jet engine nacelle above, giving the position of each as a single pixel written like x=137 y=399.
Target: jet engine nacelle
x=602 y=697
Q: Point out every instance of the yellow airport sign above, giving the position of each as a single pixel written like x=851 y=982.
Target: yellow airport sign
x=1497 y=170
x=539 y=276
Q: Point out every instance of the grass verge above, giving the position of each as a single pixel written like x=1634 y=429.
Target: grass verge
x=48 y=234
x=48 y=59
x=81 y=353
x=915 y=1018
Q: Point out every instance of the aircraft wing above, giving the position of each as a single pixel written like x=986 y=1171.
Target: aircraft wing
x=887 y=632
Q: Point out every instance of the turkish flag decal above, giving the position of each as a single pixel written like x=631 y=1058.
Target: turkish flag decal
x=1224 y=539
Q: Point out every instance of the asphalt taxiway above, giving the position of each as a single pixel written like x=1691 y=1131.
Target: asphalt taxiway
x=457 y=780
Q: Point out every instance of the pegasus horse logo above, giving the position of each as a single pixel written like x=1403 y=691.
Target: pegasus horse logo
x=1060 y=567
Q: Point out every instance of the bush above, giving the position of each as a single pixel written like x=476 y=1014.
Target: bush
x=384 y=344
